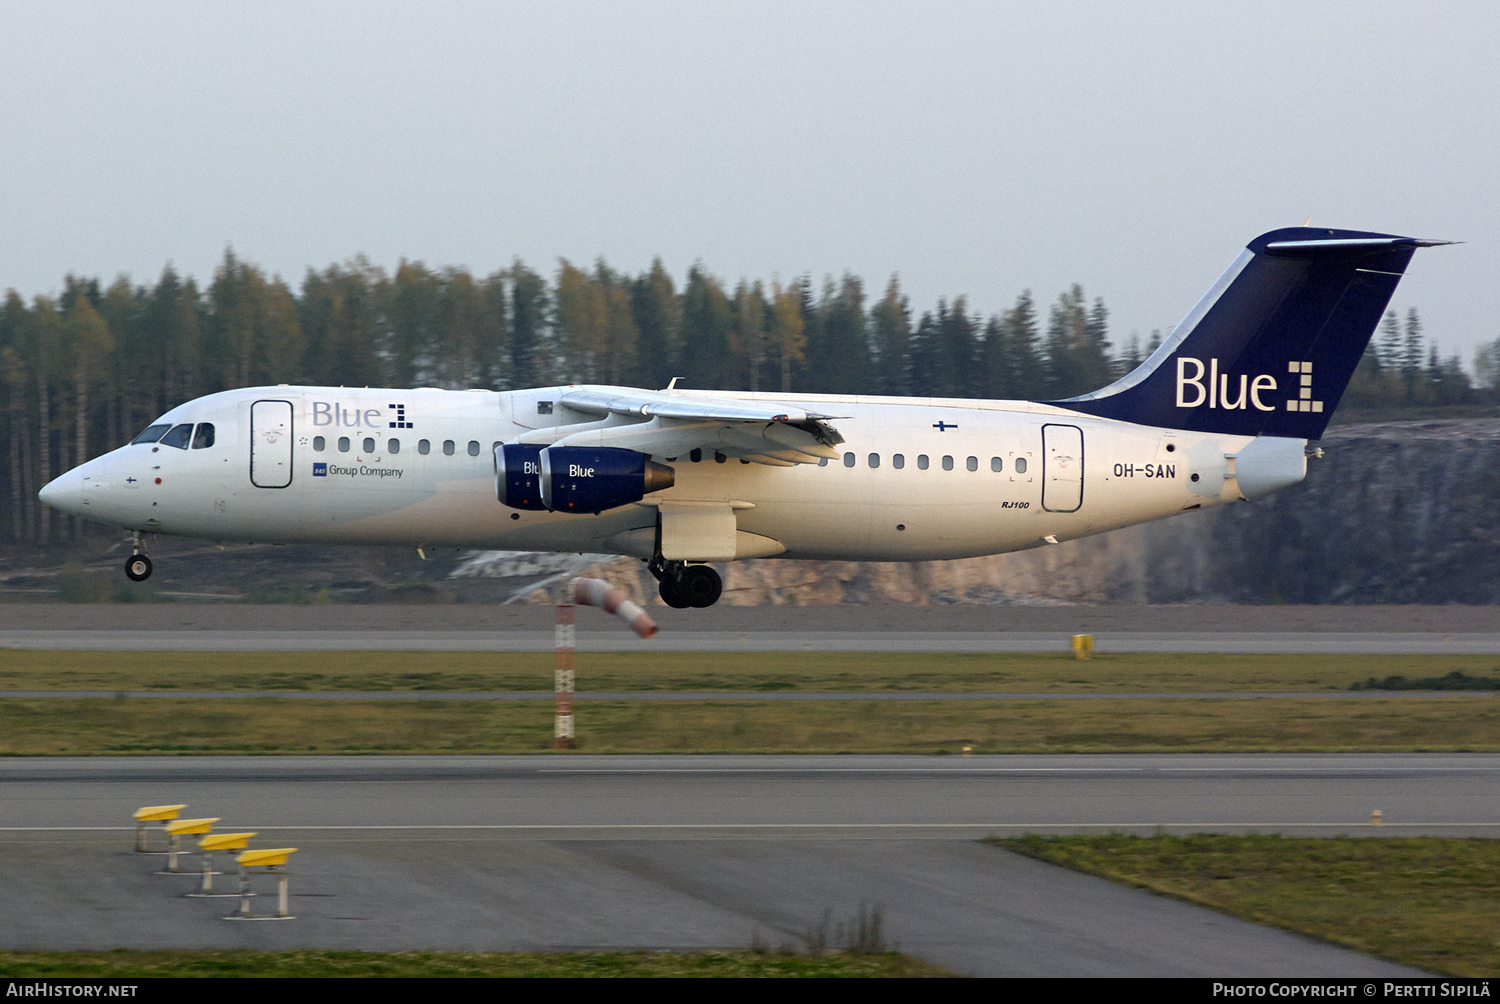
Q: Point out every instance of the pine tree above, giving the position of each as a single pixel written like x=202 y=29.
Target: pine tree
x=787 y=336
x=838 y=347
x=579 y=324
x=1389 y=339
x=527 y=325
x=749 y=331
x=957 y=354
x=1066 y=339
x=992 y=362
x=1411 y=358
x=1131 y=356
x=413 y=339
x=1025 y=374
x=655 y=310
x=494 y=334
x=704 y=358
x=1098 y=369
x=891 y=321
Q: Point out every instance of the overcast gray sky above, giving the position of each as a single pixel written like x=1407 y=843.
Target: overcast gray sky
x=975 y=148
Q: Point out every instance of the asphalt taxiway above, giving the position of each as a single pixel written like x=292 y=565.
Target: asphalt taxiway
x=561 y=851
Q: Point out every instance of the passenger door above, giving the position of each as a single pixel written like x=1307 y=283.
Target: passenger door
x=271 y=444
x=1062 y=468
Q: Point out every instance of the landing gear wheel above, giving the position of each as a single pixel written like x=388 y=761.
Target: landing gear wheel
x=701 y=585
x=671 y=593
x=138 y=568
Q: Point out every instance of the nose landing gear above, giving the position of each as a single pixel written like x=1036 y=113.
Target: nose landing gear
x=683 y=585
x=137 y=566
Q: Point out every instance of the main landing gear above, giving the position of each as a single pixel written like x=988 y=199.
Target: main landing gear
x=137 y=566
x=684 y=585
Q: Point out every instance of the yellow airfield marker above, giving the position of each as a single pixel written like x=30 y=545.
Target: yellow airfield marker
x=273 y=859
x=152 y=814
x=217 y=842
x=175 y=830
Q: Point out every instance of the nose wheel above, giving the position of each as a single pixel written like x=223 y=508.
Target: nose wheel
x=138 y=568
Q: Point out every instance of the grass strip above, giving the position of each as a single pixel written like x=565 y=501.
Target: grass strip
x=124 y=964
x=853 y=672
x=1428 y=902
x=81 y=726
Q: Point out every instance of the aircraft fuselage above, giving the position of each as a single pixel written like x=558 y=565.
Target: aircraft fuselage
x=915 y=479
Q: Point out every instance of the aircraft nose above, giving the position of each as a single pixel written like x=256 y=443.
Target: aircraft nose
x=65 y=493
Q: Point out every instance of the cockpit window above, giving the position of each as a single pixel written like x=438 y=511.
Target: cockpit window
x=151 y=435
x=203 y=438
x=179 y=436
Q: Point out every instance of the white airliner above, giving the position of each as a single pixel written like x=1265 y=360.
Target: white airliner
x=1222 y=412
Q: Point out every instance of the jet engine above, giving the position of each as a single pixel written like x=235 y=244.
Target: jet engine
x=576 y=478
x=518 y=473
x=593 y=479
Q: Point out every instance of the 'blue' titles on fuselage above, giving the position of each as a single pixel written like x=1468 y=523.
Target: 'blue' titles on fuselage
x=329 y=413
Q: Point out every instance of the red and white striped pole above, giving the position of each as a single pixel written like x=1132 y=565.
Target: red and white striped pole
x=562 y=728
x=589 y=593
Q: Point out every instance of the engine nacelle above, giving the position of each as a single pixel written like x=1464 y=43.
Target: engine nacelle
x=593 y=479
x=518 y=476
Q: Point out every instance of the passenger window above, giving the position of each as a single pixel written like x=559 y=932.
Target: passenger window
x=719 y=458
x=695 y=455
x=319 y=443
x=178 y=437
x=369 y=444
x=203 y=438
x=996 y=464
x=151 y=435
x=947 y=463
x=874 y=460
x=1020 y=465
x=343 y=444
x=972 y=463
x=393 y=446
x=473 y=447
x=921 y=461
x=848 y=460
x=424 y=447
x=898 y=461
x=447 y=447
x=822 y=461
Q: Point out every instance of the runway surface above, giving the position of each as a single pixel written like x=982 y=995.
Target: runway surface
x=558 y=851
x=736 y=695
x=609 y=638
x=566 y=795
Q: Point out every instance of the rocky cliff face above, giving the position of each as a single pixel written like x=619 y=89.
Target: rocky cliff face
x=1405 y=512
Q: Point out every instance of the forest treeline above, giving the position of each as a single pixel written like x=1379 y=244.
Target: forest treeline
x=84 y=371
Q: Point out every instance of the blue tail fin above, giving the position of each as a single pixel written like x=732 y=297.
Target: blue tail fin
x=1271 y=347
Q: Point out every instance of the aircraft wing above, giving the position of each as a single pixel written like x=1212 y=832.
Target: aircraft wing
x=668 y=425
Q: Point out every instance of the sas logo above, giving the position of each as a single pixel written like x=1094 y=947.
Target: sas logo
x=1199 y=385
x=320 y=470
